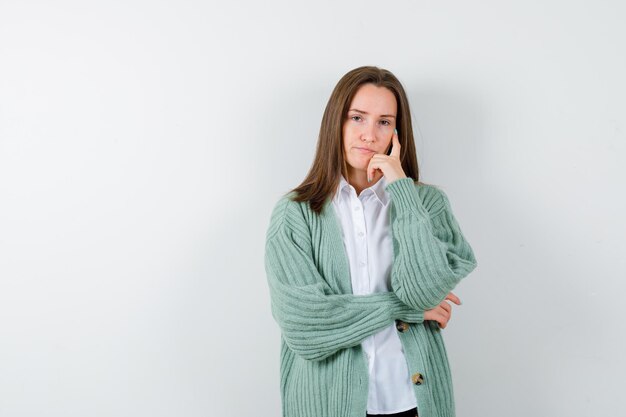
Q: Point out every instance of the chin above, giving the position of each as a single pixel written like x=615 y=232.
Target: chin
x=358 y=167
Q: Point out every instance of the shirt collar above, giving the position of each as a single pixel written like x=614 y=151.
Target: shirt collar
x=378 y=189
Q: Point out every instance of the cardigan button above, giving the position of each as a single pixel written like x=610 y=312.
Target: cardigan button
x=402 y=326
x=418 y=379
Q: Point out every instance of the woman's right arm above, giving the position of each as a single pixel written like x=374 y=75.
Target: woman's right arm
x=314 y=321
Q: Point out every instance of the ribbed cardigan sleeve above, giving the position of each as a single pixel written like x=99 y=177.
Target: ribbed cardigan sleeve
x=431 y=253
x=315 y=321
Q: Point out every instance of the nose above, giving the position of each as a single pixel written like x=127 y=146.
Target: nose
x=369 y=133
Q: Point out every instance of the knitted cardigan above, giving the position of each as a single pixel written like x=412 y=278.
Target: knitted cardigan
x=323 y=370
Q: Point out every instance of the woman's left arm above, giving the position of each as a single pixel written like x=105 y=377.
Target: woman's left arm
x=431 y=254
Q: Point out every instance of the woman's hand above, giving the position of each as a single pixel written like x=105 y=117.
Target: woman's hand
x=441 y=314
x=389 y=165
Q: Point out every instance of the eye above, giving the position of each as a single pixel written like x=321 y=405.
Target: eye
x=385 y=122
x=356 y=118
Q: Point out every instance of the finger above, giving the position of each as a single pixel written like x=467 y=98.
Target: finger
x=456 y=300
x=395 y=145
x=371 y=167
x=443 y=319
x=442 y=314
x=446 y=306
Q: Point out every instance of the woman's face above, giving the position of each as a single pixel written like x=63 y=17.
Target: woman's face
x=368 y=126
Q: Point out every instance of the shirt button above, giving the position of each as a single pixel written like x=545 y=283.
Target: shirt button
x=417 y=378
x=402 y=326
x=360 y=234
x=362 y=263
x=356 y=208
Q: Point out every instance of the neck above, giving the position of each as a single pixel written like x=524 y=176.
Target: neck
x=358 y=179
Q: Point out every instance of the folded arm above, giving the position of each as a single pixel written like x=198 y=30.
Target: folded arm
x=316 y=322
x=431 y=255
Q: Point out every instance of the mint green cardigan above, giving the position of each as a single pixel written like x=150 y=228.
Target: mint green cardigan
x=323 y=370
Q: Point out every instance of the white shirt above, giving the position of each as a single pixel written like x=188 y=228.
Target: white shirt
x=367 y=238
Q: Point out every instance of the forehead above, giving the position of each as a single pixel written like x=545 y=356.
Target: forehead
x=374 y=100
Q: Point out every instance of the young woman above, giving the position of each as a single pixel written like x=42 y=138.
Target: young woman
x=360 y=260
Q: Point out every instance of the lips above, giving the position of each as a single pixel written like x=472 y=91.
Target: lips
x=364 y=150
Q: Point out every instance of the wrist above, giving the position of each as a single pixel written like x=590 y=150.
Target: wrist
x=395 y=177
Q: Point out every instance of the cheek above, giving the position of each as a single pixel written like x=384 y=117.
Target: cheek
x=350 y=134
x=345 y=137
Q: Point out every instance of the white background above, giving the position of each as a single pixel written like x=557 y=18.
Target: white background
x=143 y=145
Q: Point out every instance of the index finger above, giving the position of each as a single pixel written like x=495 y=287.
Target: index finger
x=456 y=300
x=395 y=144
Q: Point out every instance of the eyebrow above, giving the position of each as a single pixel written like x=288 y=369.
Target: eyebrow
x=364 y=112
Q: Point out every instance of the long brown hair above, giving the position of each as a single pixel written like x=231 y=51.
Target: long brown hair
x=323 y=178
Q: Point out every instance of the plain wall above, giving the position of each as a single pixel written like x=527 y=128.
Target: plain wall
x=143 y=145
